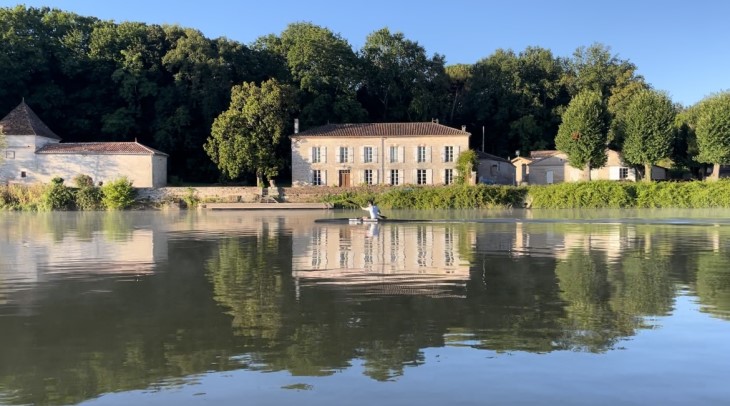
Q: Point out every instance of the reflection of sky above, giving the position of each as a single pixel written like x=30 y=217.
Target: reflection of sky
x=629 y=374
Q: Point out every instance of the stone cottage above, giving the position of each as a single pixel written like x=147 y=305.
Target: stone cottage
x=35 y=154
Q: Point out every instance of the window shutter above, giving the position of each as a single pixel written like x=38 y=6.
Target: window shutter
x=375 y=154
x=323 y=154
x=428 y=154
x=402 y=154
x=362 y=153
x=443 y=154
x=376 y=181
x=351 y=154
x=311 y=156
x=429 y=176
x=415 y=154
x=614 y=173
x=323 y=175
x=338 y=155
x=388 y=179
x=443 y=176
x=457 y=151
x=414 y=176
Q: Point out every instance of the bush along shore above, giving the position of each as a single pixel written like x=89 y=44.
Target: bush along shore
x=120 y=195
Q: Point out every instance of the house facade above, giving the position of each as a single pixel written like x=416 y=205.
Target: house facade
x=548 y=167
x=35 y=154
x=377 y=154
x=494 y=170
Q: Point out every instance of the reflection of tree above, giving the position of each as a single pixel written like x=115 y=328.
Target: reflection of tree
x=713 y=284
x=590 y=323
x=245 y=282
x=643 y=287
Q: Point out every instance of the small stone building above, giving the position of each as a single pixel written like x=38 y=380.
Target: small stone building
x=35 y=154
x=377 y=154
x=494 y=170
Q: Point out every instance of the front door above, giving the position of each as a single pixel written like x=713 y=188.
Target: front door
x=345 y=178
x=549 y=177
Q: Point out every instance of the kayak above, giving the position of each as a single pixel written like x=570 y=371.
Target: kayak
x=345 y=220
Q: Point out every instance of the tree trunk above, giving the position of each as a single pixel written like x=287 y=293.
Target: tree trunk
x=715 y=173
x=647 y=172
x=587 y=172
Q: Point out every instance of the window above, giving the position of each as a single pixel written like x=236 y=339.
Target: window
x=448 y=176
x=344 y=154
x=368 y=178
x=10 y=154
x=367 y=154
x=394 y=177
x=421 y=176
x=316 y=155
x=421 y=154
x=317 y=177
x=393 y=154
x=449 y=154
x=623 y=173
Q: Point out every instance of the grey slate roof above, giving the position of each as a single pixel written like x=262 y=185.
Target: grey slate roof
x=23 y=121
x=381 y=130
x=484 y=155
x=99 y=148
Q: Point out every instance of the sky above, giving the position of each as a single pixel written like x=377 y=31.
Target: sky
x=679 y=46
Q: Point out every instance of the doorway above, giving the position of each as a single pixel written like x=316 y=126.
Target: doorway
x=345 y=178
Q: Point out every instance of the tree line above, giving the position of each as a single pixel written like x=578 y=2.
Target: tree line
x=165 y=85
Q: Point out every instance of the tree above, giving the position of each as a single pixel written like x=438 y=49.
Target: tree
x=648 y=123
x=465 y=164
x=245 y=137
x=582 y=134
x=402 y=83
x=713 y=131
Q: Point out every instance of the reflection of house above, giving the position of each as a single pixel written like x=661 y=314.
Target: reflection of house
x=34 y=153
x=548 y=167
x=494 y=170
x=377 y=154
x=420 y=258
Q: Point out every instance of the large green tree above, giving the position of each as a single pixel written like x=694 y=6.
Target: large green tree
x=401 y=82
x=325 y=69
x=246 y=136
x=583 y=133
x=648 y=124
x=713 y=131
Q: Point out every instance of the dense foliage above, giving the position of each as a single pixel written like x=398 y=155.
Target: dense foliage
x=713 y=131
x=95 y=80
x=583 y=133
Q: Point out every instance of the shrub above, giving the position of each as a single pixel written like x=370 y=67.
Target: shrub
x=118 y=194
x=56 y=196
x=88 y=198
x=82 y=181
x=190 y=199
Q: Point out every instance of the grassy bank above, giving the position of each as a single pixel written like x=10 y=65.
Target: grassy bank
x=595 y=194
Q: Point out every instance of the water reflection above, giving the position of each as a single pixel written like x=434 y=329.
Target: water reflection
x=373 y=259
x=93 y=303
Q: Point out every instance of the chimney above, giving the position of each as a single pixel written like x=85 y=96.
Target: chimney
x=463 y=128
x=296 y=126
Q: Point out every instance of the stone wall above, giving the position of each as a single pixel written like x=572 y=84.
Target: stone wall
x=248 y=194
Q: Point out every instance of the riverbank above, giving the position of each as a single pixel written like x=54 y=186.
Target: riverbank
x=595 y=194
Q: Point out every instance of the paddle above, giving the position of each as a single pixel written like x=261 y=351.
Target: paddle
x=357 y=205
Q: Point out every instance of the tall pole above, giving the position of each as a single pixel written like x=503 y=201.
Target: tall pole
x=482 y=138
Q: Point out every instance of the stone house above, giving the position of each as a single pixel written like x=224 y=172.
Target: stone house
x=548 y=167
x=377 y=154
x=494 y=170
x=35 y=154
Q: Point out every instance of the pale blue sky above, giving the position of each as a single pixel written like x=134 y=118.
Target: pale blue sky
x=682 y=47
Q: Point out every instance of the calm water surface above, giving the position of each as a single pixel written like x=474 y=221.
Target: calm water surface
x=270 y=308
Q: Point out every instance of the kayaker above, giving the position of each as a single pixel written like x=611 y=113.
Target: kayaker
x=373 y=210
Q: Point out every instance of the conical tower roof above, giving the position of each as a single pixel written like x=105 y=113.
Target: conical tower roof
x=23 y=121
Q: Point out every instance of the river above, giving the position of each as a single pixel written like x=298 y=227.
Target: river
x=600 y=307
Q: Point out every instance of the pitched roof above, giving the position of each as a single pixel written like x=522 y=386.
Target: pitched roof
x=99 y=148
x=381 y=130
x=23 y=121
x=484 y=155
x=543 y=153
